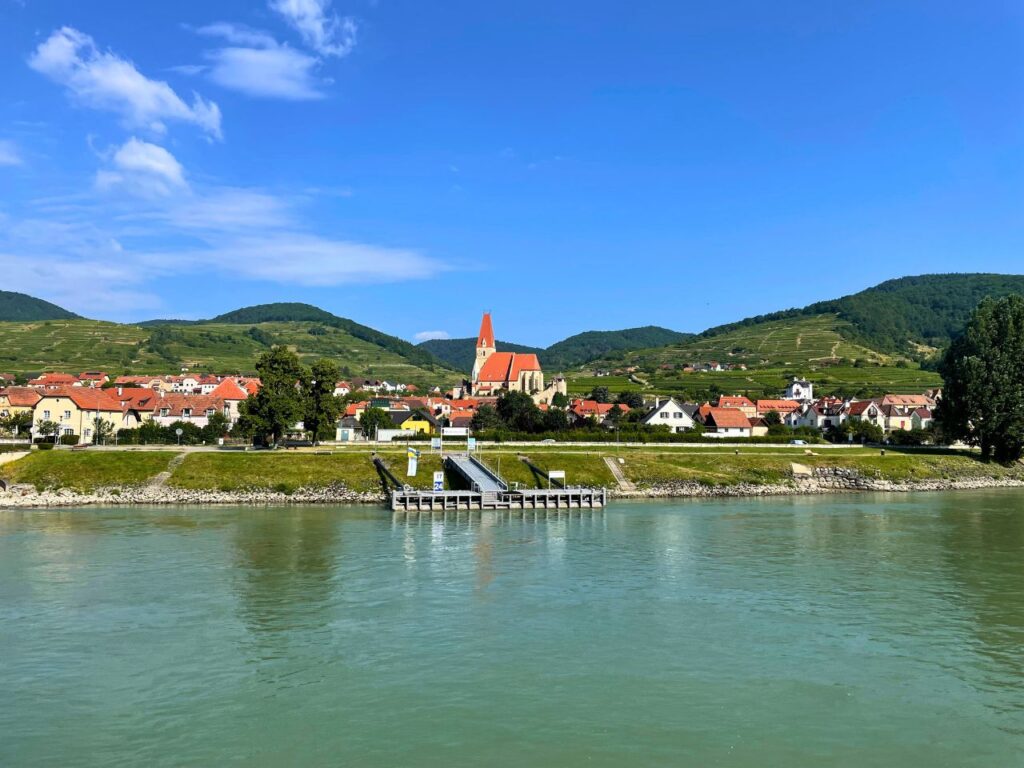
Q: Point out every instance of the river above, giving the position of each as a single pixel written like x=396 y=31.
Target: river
x=824 y=631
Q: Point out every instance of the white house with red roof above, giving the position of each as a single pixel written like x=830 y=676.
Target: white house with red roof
x=495 y=372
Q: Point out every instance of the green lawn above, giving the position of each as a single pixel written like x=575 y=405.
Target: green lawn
x=289 y=471
x=84 y=471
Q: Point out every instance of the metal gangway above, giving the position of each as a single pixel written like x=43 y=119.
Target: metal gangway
x=478 y=475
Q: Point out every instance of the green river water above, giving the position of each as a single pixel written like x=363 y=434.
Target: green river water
x=831 y=631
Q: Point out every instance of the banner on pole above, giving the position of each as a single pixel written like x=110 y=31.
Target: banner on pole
x=413 y=465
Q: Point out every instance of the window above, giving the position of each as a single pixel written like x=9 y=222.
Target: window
x=46 y=415
x=165 y=411
x=664 y=414
x=186 y=413
x=678 y=415
x=67 y=415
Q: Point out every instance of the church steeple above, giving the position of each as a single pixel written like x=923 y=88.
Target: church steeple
x=484 y=346
x=486 y=338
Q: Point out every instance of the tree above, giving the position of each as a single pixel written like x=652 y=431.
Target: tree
x=559 y=400
x=322 y=407
x=102 y=431
x=217 y=425
x=486 y=418
x=983 y=398
x=46 y=428
x=632 y=399
x=601 y=395
x=772 y=418
x=17 y=423
x=519 y=412
x=279 y=404
x=555 y=420
x=374 y=419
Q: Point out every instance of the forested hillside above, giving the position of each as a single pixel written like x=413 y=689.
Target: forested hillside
x=19 y=307
x=900 y=316
x=460 y=353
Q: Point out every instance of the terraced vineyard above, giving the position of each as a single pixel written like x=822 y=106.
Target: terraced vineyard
x=78 y=345
x=774 y=352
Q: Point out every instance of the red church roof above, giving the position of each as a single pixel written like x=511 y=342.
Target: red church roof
x=506 y=366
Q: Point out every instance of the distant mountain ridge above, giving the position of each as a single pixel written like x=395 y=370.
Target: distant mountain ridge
x=22 y=308
x=897 y=315
x=570 y=352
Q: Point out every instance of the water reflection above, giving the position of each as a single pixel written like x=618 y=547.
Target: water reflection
x=285 y=560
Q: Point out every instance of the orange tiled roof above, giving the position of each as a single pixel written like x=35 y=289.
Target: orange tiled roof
x=729 y=418
x=486 y=336
x=22 y=397
x=229 y=390
x=785 y=406
x=734 y=401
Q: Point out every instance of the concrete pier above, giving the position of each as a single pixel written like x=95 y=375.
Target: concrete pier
x=555 y=498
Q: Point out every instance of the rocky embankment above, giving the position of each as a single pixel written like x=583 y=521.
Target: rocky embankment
x=820 y=480
x=28 y=496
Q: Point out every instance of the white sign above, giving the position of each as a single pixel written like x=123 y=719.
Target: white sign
x=455 y=431
x=439 y=481
x=471 y=444
x=413 y=465
x=556 y=474
x=435 y=443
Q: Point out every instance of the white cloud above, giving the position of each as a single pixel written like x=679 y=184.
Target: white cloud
x=257 y=65
x=429 y=335
x=107 y=256
x=321 y=29
x=9 y=154
x=239 y=34
x=104 y=80
x=144 y=169
x=280 y=72
x=300 y=258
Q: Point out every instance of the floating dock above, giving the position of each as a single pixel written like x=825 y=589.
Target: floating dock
x=555 y=498
x=483 y=489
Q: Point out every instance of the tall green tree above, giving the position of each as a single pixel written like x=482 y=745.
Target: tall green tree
x=102 y=431
x=519 y=412
x=280 y=403
x=322 y=407
x=374 y=419
x=601 y=394
x=983 y=398
x=486 y=418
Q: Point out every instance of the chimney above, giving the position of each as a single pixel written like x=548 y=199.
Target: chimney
x=120 y=391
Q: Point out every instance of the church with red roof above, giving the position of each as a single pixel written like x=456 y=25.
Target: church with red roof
x=494 y=371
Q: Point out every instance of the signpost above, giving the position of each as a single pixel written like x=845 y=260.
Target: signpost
x=470 y=444
x=556 y=474
x=179 y=432
x=435 y=444
x=439 y=481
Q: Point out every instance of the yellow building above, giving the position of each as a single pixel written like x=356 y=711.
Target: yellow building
x=75 y=410
x=15 y=400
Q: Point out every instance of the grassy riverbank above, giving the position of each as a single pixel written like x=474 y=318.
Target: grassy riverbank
x=647 y=467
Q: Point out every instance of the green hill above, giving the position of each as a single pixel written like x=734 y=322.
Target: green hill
x=296 y=312
x=19 y=307
x=460 y=353
x=221 y=347
x=568 y=353
x=910 y=315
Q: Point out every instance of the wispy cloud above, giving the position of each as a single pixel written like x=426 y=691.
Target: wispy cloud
x=9 y=154
x=104 y=80
x=256 y=64
x=107 y=256
x=321 y=29
x=146 y=167
x=429 y=335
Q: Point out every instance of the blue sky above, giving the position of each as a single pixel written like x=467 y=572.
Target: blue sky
x=568 y=166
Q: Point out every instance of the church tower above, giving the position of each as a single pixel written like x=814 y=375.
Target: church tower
x=484 y=345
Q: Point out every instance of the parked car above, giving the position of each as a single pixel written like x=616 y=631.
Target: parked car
x=798 y=442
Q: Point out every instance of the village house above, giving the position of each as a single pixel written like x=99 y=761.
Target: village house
x=866 y=410
x=678 y=417
x=740 y=403
x=781 y=407
x=75 y=410
x=17 y=400
x=726 y=422
x=172 y=407
x=800 y=390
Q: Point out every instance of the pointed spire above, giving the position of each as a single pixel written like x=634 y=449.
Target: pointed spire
x=486 y=338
